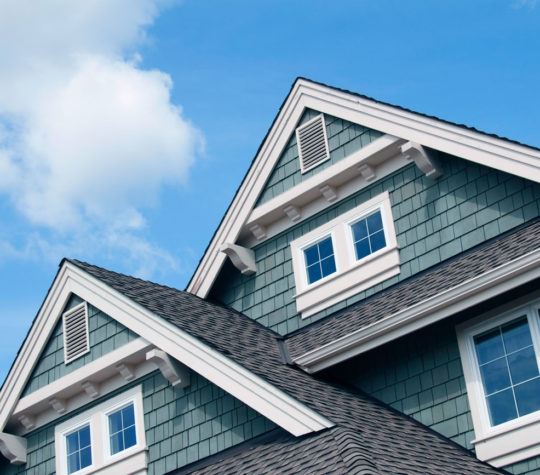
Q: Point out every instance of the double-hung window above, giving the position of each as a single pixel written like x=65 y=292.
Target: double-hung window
x=111 y=433
x=352 y=252
x=501 y=362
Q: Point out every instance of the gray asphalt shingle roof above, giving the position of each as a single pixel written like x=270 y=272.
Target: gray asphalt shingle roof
x=366 y=429
x=417 y=289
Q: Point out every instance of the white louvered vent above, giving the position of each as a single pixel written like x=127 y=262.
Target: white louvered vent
x=75 y=332
x=312 y=143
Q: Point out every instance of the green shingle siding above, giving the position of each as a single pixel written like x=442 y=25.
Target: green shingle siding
x=434 y=220
x=182 y=426
x=526 y=467
x=105 y=335
x=344 y=138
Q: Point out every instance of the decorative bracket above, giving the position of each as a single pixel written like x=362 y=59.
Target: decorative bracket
x=92 y=389
x=329 y=193
x=27 y=421
x=13 y=448
x=258 y=231
x=175 y=372
x=242 y=258
x=59 y=405
x=293 y=213
x=126 y=371
x=367 y=172
x=426 y=161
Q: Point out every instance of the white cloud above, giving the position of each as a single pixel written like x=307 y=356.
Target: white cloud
x=87 y=136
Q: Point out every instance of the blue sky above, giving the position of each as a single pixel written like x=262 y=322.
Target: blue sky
x=126 y=126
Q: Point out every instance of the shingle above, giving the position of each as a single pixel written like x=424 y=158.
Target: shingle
x=369 y=437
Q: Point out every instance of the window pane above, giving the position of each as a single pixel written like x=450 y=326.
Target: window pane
x=130 y=438
x=501 y=407
x=73 y=462
x=377 y=241
x=128 y=416
x=325 y=248
x=117 y=443
x=359 y=230
x=314 y=273
x=528 y=396
x=328 y=266
x=523 y=365
x=489 y=346
x=84 y=437
x=86 y=457
x=312 y=255
x=72 y=442
x=115 y=422
x=516 y=335
x=495 y=376
x=374 y=222
x=362 y=248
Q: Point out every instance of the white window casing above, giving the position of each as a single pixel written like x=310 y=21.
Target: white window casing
x=130 y=460
x=75 y=328
x=519 y=438
x=352 y=275
x=312 y=143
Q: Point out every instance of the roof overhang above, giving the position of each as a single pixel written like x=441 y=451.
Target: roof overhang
x=265 y=398
x=455 y=299
x=429 y=132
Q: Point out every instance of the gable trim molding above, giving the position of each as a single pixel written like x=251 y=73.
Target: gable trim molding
x=263 y=397
x=501 y=279
x=428 y=132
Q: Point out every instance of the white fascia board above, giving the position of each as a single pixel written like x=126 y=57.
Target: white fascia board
x=452 y=139
x=285 y=411
x=471 y=292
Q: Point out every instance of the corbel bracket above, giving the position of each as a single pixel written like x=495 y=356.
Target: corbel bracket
x=242 y=258
x=13 y=448
x=175 y=372
x=258 y=231
x=329 y=193
x=426 y=161
x=27 y=421
x=92 y=389
x=293 y=213
x=126 y=371
x=59 y=405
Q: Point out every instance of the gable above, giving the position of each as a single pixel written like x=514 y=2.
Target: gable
x=343 y=138
x=420 y=133
x=105 y=335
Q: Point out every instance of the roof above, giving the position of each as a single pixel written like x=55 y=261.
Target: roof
x=465 y=266
x=366 y=428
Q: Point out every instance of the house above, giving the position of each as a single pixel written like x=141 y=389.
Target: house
x=368 y=304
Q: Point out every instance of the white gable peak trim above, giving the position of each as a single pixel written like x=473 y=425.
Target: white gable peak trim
x=263 y=397
x=428 y=132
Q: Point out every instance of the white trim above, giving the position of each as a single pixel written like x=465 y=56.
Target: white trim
x=176 y=373
x=464 y=295
x=433 y=133
x=71 y=388
x=518 y=438
x=263 y=397
x=13 y=448
x=352 y=275
x=97 y=419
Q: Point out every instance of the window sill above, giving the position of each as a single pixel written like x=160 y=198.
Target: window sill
x=341 y=285
x=133 y=462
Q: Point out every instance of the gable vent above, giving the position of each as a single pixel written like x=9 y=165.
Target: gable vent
x=75 y=332
x=312 y=143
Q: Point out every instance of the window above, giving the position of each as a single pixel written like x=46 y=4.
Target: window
x=78 y=449
x=501 y=361
x=320 y=260
x=122 y=429
x=110 y=433
x=345 y=256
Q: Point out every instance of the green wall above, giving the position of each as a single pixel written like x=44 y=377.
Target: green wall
x=434 y=220
x=344 y=138
x=182 y=426
x=105 y=335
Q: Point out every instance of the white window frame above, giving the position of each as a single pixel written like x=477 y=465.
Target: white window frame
x=514 y=440
x=352 y=275
x=130 y=460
